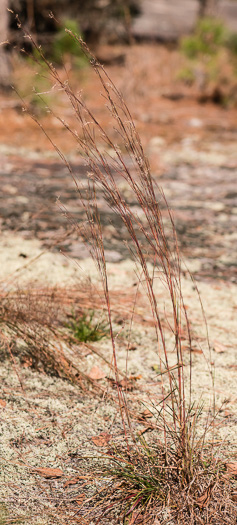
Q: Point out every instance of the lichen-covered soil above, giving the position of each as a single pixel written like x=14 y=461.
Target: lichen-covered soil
x=46 y=421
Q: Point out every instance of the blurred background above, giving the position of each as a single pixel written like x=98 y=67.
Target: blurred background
x=175 y=50
x=176 y=65
x=211 y=24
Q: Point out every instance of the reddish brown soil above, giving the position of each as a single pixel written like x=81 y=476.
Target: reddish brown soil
x=148 y=80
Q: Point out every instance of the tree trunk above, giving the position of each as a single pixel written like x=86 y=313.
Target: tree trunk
x=207 y=8
x=4 y=59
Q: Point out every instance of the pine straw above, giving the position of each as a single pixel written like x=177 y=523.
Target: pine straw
x=33 y=321
x=142 y=487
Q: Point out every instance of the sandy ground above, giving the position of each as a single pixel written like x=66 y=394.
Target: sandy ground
x=48 y=422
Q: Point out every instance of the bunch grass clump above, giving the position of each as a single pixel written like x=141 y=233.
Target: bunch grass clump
x=64 y=46
x=171 y=471
x=145 y=486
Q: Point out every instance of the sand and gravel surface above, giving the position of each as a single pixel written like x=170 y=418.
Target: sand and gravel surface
x=47 y=422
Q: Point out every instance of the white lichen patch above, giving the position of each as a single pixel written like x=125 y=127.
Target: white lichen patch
x=48 y=422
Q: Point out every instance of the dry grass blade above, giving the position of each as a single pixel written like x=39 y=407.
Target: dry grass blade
x=33 y=322
x=141 y=485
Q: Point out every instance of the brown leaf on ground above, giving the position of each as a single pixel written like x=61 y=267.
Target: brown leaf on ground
x=2 y=403
x=136 y=518
x=148 y=427
x=102 y=439
x=28 y=362
x=96 y=373
x=126 y=385
x=193 y=349
x=219 y=348
x=204 y=499
x=74 y=481
x=49 y=473
x=132 y=347
x=80 y=498
x=183 y=334
x=146 y=414
x=227 y=413
x=231 y=469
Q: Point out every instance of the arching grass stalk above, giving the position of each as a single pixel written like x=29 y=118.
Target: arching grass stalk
x=153 y=246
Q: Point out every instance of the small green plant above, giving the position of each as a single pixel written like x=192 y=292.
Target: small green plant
x=208 y=37
x=231 y=43
x=36 y=75
x=65 y=45
x=85 y=328
x=40 y=97
x=186 y=74
x=142 y=480
x=210 y=61
x=31 y=330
